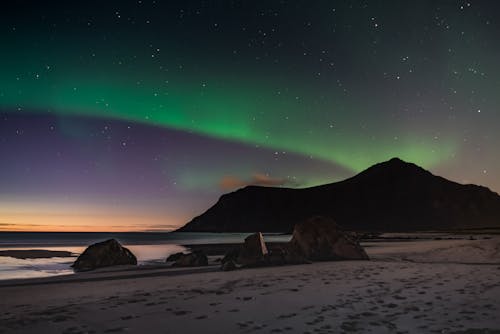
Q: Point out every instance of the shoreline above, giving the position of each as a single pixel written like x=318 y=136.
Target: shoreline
x=414 y=250
x=24 y=252
x=384 y=237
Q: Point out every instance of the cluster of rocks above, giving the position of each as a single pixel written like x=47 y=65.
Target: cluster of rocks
x=316 y=239
x=111 y=253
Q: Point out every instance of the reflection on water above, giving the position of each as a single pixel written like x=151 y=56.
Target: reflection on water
x=154 y=253
x=26 y=268
x=147 y=247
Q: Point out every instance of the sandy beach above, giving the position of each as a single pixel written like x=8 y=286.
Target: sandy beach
x=435 y=286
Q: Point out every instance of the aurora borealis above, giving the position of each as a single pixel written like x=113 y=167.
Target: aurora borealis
x=137 y=115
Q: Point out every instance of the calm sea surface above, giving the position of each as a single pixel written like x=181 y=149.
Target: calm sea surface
x=147 y=247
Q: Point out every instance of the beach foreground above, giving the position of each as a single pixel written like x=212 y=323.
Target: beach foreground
x=406 y=288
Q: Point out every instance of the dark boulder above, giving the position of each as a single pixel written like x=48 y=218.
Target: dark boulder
x=277 y=256
x=194 y=259
x=104 y=254
x=252 y=253
x=231 y=255
x=254 y=250
x=293 y=255
x=174 y=257
x=320 y=239
x=229 y=266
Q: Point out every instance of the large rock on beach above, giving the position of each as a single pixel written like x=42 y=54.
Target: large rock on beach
x=320 y=239
x=104 y=254
x=315 y=239
x=252 y=253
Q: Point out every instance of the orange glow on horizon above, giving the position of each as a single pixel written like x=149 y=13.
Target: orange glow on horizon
x=84 y=223
x=31 y=216
x=64 y=223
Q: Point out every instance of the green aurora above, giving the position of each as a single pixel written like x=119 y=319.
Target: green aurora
x=159 y=107
x=245 y=111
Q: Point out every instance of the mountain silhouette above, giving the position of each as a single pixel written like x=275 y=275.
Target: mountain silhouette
x=390 y=196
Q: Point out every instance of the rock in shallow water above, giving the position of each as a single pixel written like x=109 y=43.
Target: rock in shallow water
x=104 y=254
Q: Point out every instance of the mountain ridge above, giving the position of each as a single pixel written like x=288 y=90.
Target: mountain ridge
x=389 y=196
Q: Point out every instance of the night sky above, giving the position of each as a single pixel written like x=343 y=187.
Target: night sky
x=138 y=115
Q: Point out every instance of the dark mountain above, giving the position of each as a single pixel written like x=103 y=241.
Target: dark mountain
x=390 y=196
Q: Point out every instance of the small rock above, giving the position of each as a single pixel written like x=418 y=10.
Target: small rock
x=194 y=259
x=174 y=257
x=229 y=265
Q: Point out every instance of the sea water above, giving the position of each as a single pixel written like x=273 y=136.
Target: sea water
x=148 y=247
